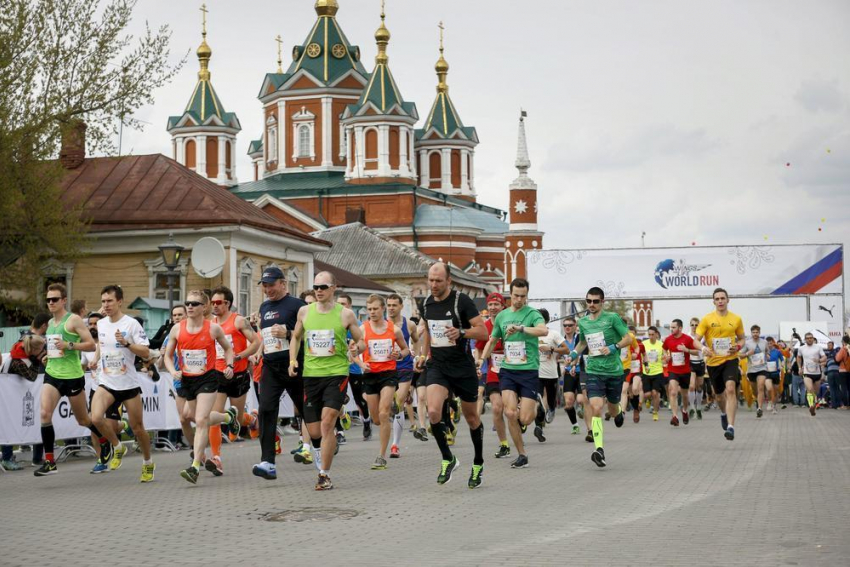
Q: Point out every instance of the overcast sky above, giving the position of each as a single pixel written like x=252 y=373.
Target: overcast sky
x=713 y=122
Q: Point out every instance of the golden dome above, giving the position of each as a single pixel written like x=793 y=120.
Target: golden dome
x=326 y=7
x=383 y=34
x=204 y=51
x=442 y=65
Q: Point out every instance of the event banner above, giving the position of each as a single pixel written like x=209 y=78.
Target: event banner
x=649 y=273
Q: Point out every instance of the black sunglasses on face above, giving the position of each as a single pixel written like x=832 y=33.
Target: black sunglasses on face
x=53 y=299
x=592 y=301
x=321 y=287
x=193 y=304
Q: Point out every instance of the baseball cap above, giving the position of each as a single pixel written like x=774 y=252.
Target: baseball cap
x=495 y=296
x=271 y=275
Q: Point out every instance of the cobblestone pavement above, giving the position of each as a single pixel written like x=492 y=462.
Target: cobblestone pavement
x=777 y=495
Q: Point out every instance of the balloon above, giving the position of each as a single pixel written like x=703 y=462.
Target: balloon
x=765 y=237
x=788 y=164
x=693 y=243
x=820 y=229
x=822 y=220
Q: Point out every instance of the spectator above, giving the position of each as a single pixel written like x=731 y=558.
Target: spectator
x=832 y=375
x=843 y=359
x=798 y=387
x=78 y=307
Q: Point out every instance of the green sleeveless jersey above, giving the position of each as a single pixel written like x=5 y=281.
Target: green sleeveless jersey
x=325 y=344
x=68 y=365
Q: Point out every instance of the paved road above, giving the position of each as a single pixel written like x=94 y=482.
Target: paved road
x=777 y=495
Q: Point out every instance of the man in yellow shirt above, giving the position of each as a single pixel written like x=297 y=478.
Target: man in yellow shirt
x=724 y=336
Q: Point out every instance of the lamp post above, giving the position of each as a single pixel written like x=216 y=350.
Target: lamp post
x=171 y=252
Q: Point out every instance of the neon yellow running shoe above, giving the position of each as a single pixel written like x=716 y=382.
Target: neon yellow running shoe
x=117 y=458
x=345 y=420
x=147 y=473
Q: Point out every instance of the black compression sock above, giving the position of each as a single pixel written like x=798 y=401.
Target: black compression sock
x=478 y=443
x=571 y=413
x=48 y=437
x=438 y=430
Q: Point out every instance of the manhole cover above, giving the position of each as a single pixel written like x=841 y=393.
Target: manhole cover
x=310 y=515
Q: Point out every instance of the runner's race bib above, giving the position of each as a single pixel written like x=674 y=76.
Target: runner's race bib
x=624 y=354
x=321 y=342
x=380 y=349
x=496 y=362
x=634 y=367
x=113 y=362
x=595 y=342
x=678 y=358
x=273 y=344
x=53 y=350
x=515 y=352
x=812 y=367
x=652 y=355
x=757 y=359
x=194 y=361
x=722 y=346
x=219 y=352
x=772 y=366
x=438 y=329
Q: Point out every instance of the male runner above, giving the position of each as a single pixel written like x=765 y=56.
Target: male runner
x=602 y=334
x=194 y=340
x=245 y=343
x=418 y=384
x=551 y=347
x=385 y=345
x=323 y=326
x=697 y=375
x=724 y=335
x=67 y=335
x=121 y=339
x=404 y=367
x=678 y=348
x=775 y=364
x=451 y=320
x=492 y=390
x=811 y=360
x=355 y=380
x=755 y=351
x=520 y=327
x=653 y=374
x=571 y=381
x=278 y=314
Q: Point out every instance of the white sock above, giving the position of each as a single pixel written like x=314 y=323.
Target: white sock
x=398 y=427
x=317 y=458
x=698 y=398
x=692 y=398
x=147 y=461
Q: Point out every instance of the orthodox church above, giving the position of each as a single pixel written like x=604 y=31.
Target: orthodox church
x=341 y=145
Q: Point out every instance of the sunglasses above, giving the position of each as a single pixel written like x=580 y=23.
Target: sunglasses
x=593 y=301
x=193 y=304
x=53 y=299
x=217 y=301
x=321 y=287
x=568 y=325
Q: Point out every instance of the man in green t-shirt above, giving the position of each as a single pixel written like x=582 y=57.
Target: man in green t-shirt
x=519 y=328
x=603 y=334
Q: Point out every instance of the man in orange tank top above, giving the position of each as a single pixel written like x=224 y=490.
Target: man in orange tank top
x=195 y=339
x=380 y=380
x=245 y=343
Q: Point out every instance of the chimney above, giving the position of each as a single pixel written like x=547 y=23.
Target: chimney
x=73 y=151
x=355 y=215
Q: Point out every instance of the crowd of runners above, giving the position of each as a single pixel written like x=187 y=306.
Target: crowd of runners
x=448 y=362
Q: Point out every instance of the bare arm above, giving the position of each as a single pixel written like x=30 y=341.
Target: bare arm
x=254 y=339
x=87 y=343
x=168 y=357
x=295 y=341
x=399 y=339
x=218 y=334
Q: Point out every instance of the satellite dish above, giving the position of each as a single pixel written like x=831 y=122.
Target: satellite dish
x=208 y=257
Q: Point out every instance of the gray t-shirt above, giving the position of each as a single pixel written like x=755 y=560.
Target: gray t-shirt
x=756 y=355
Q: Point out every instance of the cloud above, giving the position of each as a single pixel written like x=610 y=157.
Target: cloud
x=584 y=153
x=819 y=95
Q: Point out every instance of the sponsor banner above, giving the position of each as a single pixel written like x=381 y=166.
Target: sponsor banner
x=650 y=273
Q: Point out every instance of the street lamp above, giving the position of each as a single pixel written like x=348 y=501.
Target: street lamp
x=171 y=252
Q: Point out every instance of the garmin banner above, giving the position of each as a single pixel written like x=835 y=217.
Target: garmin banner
x=665 y=273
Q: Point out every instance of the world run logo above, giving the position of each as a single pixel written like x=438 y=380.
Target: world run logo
x=671 y=274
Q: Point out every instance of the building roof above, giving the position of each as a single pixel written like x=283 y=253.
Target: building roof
x=362 y=250
x=156 y=192
x=329 y=62
x=438 y=216
x=348 y=280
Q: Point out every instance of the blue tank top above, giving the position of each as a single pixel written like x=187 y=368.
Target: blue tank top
x=353 y=369
x=405 y=363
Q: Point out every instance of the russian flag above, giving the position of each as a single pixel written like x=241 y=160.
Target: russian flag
x=814 y=278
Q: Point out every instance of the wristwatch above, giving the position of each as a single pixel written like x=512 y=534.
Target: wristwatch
x=230 y=366
x=462 y=332
x=70 y=346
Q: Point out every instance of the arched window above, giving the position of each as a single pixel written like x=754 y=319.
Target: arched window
x=272 y=145
x=304 y=141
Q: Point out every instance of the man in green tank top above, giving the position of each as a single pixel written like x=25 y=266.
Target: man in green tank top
x=67 y=335
x=323 y=326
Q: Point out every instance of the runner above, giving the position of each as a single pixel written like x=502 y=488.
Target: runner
x=724 y=335
x=418 y=384
x=67 y=335
x=520 y=328
x=695 y=392
x=194 y=339
x=355 y=380
x=602 y=334
x=323 y=325
x=678 y=348
x=775 y=362
x=653 y=374
x=755 y=351
x=404 y=367
x=278 y=315
x=492 y=390
x=385 y=345
x=552 y=347
x=811 y=359
x=178 y=314
x=245 y=343
x=120 y=340
x=571 y=381
x=634 y=382
x=451 y=320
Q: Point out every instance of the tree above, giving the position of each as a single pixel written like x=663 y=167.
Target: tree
x=62 y=62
